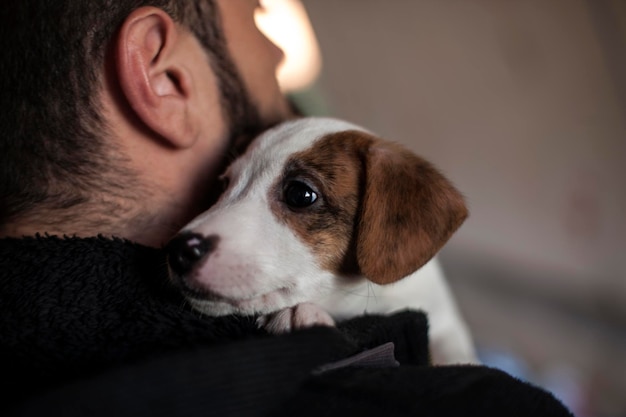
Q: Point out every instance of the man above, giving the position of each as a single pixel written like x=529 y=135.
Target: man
x=126 y=117
x=117 y=117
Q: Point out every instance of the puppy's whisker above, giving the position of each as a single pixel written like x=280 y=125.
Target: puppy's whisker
x=185 y=306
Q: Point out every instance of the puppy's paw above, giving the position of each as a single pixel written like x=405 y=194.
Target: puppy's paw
x=296 y=317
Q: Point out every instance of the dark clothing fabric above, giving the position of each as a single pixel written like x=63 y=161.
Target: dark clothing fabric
x=91 y=327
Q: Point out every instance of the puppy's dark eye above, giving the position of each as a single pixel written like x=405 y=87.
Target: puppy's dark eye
x=299 y=195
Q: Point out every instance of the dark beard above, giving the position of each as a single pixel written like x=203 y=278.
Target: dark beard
x=242 y=117
x=241 y=114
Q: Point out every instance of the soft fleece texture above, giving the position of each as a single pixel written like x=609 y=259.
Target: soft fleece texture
x=91 y=327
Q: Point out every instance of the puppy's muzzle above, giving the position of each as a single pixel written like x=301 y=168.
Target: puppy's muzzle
x=186 y=251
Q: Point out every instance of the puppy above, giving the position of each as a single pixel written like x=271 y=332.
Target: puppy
x=319 y=221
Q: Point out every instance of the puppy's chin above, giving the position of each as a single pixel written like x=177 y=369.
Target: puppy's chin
x=258 y=305
x=215 y=308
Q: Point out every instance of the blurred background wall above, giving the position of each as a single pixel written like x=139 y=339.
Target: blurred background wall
x=522 y=103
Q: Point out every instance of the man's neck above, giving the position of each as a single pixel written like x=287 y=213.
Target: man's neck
x=147 y=228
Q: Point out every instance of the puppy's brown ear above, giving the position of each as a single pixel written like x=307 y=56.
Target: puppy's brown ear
x=409 y=211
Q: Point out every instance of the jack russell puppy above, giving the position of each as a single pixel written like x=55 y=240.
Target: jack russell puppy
x=319 y=221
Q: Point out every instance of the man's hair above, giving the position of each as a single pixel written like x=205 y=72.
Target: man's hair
x=53 y=151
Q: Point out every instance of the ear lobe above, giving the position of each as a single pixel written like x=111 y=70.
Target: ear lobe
x=409 y=211
x=152 y=78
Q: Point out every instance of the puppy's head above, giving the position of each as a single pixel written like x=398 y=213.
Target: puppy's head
x=311 y=202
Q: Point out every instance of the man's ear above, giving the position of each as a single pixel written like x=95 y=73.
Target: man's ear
x=153 y=77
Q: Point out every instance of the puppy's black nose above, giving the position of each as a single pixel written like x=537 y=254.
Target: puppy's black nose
x=185 y=250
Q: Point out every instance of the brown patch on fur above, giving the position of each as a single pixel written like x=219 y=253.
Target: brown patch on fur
x=382 y=211
x=332 y=167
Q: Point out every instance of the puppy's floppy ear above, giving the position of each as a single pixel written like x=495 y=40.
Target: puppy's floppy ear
x=409 y=211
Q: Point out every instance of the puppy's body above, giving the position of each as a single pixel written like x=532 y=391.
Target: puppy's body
x=425 y=290
x=313 y=208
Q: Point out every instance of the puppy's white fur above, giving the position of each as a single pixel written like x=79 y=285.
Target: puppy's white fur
x=260 y=265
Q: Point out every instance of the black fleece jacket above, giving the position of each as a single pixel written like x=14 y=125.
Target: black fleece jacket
x=91 y=327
